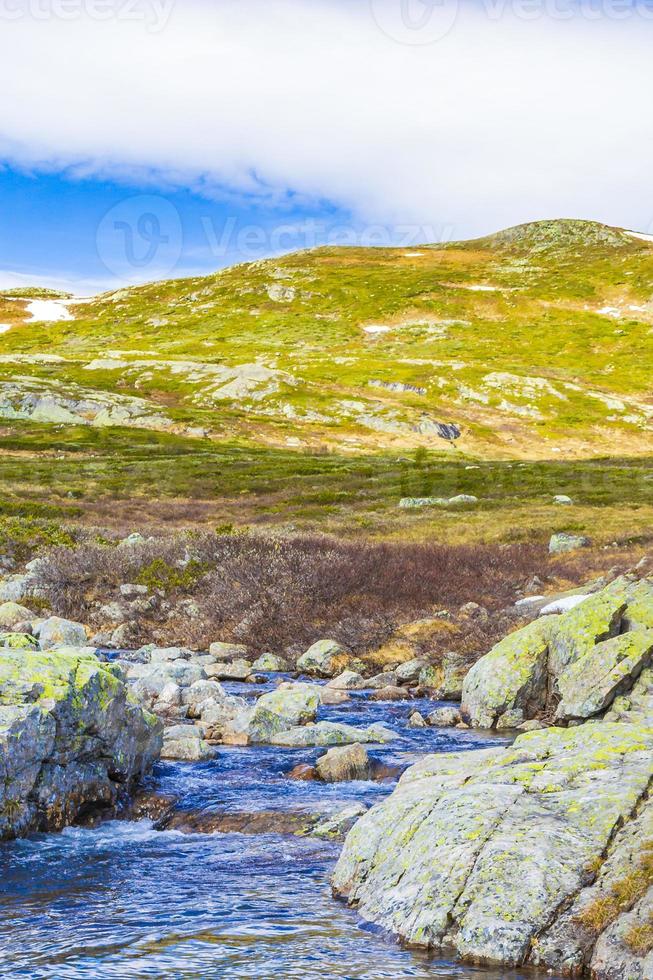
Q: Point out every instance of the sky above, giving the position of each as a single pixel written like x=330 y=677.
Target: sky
x=142 y=139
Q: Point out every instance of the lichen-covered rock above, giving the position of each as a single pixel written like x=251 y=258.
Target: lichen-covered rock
x=57 y=632
x=577 y=663
x=592 y=683
x=236 y=670
x=270 y=663
x=349 y=680
x=11 y=613
x=290 y=705
x=335 y=827
x=185 y=744
x=331 y=733
x=326 y=658
x=71 y=737
x=344 y=763
x=562 y=543
x=512 y=676
x=228 y=651
x=18 y=641
x=483 y=850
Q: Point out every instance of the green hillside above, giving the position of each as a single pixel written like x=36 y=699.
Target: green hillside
x=532 y=344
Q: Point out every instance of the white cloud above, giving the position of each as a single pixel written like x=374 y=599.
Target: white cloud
x=504 y=118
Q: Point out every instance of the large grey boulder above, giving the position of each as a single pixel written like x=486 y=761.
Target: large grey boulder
x=270 y=663
x=57 y=632
x=237 y=670
x=483 y=851
x=574 y=665
x=71 y=738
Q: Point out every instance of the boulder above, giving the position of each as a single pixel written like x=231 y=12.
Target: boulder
x=455 y=667
x=289 y=706
x=71 y=739
x=512 y=675
x=387 y=679
x=390 y=694
x=228 y=651
x=11 y=614
x=589 y=685
x=351 y=762
x=349 y=680
x=269 y=663
x=331 y=733
x=529 y=672
x=337 y=826
x=431 y=678
x=444 y=718
x=56 y=632
x=485 y=851
x=238 y=670
x=303 y=773
x=562 y=543
x=326 y=658
x=409 y=672
x=417 y=720
x=184 y=743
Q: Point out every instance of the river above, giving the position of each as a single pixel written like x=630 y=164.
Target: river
x=125 y=901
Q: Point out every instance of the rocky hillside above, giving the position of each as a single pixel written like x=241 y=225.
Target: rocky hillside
x=533 y=341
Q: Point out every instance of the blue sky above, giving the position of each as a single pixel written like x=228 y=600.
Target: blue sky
x=169 y=137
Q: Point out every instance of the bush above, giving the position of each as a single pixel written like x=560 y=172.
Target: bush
x=283 y=594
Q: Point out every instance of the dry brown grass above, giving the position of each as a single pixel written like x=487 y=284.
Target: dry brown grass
x=622 y=895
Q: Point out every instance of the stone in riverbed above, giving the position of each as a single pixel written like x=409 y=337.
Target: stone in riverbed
x=350 y=762
x=417 y=720
x=409 y=672
x=228 y=651
x=303 y=773
x=391 y=694
x=349 y=680
x=326 y=658
x=185 y=744
x=270 y=663
x=331 y=733
x=238 y=670
x=444 y=718
x=337 y=826
x=290 y=705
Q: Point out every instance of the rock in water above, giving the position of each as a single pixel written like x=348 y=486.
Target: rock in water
x=484 y=850
x=326 y=658
x=290 y=705
x=56 y=632
x=71 y=737
x=342 y=764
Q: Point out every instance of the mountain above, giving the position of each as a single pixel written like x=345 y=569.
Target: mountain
x=533 y=341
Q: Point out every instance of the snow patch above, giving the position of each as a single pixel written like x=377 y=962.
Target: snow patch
x=4 y=327
x=640 y=235
x=563 y=605
x=48 y=311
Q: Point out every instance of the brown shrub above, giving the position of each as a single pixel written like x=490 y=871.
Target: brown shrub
x=285 y=593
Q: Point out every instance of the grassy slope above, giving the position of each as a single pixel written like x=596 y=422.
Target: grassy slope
x=529 y=369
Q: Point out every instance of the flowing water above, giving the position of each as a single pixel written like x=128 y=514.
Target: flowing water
x=125 y=901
